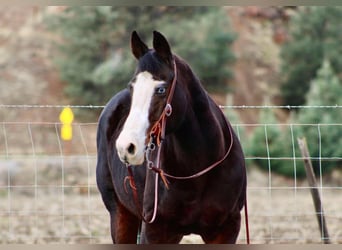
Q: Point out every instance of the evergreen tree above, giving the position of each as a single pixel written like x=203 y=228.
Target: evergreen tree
x=204 y=42
x=271 y=147
x=315 y=35
x=95 y=59
x=323 y=132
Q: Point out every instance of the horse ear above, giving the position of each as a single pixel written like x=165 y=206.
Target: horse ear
x=138 y=47
x=162 y=47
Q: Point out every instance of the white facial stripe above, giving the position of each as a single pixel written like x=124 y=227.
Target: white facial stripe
x=142 y=95
x=134 y=130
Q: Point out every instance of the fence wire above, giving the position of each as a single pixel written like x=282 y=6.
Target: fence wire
x=48 y=190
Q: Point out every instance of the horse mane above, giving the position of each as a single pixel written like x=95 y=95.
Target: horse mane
x=195 y=89
x=151 y=63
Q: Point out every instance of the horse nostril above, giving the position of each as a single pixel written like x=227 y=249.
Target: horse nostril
x=131 y=149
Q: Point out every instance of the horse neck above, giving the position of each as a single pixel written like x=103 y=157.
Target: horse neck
x=194 y=138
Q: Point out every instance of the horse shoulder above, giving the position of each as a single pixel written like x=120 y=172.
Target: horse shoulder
x=110 y=120
x=113 y=116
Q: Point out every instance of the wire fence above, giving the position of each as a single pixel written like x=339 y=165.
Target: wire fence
x=48 y=190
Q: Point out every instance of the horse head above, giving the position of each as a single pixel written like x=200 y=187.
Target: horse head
x=150 y=89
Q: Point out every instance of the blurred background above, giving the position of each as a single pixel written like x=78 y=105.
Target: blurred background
x=286 y=59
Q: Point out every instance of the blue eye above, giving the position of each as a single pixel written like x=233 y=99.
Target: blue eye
x=160 y=90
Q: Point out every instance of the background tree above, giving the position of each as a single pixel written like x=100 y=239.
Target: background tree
x=318 y=125
x=315 y=35
x=204 y=41
x=271 y=147
x=94 y=55
x=324 y=141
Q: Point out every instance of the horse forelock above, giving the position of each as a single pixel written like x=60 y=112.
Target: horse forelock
x=151 y=63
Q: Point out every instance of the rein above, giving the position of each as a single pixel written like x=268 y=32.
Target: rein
x=157 y=134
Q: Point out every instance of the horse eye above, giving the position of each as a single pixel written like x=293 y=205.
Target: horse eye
x=130 y=87
x=160 y=90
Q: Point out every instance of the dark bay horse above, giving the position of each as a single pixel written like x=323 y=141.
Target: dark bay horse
x=168 y=160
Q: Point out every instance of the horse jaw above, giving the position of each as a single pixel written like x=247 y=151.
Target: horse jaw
x=130 y=144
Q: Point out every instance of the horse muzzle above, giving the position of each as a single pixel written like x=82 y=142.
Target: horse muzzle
x=130 y=148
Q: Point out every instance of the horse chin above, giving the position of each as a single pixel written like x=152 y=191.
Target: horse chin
x=136 y=161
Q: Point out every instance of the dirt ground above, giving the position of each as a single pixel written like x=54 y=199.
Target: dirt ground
x=56 y=201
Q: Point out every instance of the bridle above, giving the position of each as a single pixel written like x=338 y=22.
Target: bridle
x=156 y=139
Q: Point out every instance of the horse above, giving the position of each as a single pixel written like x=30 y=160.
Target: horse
x=168 y=162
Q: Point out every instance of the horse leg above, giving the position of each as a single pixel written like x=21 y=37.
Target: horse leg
x=226 y=234
x=159 y=233
x=123 y=225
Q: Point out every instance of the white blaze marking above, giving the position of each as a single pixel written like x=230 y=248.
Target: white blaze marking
x=134 y=130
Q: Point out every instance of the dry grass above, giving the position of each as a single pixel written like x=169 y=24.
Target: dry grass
x=38 y=209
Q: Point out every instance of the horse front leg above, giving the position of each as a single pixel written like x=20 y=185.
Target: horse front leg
x=123 y=225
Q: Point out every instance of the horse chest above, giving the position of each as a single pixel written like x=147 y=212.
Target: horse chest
x=193 y=212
